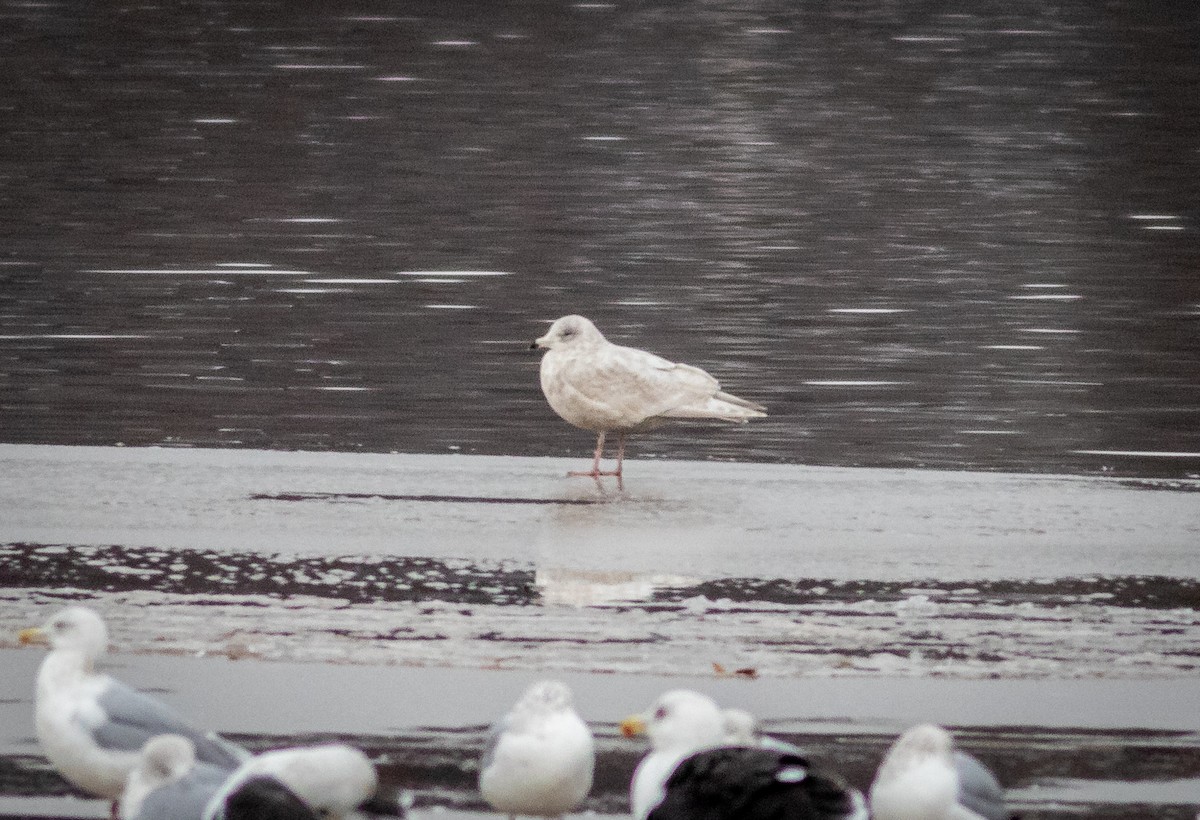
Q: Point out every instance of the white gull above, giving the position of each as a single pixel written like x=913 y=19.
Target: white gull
x=91 y=726
x=599 y=386
x=923 y=777
x=540 y=757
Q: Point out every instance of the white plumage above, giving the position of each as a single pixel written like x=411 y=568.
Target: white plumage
x=922 y=777
x=305 y=783
x=332 y=779
x=540 y=758
x=91 y=726
x=680 y=723
x=599 y=386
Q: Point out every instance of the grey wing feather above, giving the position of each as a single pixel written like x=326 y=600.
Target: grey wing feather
x=132 y=718
x=978 y=788
x=186 y=797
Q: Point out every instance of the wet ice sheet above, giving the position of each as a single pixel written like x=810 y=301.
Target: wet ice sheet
x=840 y=605
x=714 y=519
x=505 y=562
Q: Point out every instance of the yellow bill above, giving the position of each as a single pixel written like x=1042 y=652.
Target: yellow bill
x=633 y=726
x=34 y=635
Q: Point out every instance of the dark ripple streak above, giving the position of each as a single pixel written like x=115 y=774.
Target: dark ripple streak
x=370 y=579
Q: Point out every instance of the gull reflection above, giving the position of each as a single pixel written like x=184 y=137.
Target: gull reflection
x=581 y=587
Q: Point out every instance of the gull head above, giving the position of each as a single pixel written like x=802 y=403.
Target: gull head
x=163 y=759
x=923 y=742
x=917 y=777
x=680 y=720
x=741 y=728
x=74 y=628
x=569 y=331
x=546 y=696
x=166 y=757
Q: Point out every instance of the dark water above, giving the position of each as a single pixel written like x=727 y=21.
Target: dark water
x=948 y=234
x=936 y=234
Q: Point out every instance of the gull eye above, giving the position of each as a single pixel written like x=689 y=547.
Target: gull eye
x=660 y=713
x=568 y=332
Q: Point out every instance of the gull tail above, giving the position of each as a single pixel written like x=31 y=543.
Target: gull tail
x=758 y=409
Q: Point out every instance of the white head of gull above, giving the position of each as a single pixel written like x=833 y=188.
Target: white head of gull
x=599 y=386
x=741 y=728
x=923 y=777
x=91 y=726
x=540 y=757
x=678 y=724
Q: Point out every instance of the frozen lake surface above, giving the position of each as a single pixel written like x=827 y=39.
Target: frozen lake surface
x=1053 y=620
x=952 y=248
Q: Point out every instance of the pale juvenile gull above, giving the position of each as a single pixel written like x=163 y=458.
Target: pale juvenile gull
x=91 y=726
x=540 y=757
x=599 y=386
x=923 y=777
x=708 y=763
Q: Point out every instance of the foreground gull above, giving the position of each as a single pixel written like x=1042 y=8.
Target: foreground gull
x=333 y=781
x=922 y=777
x=91 y=726
x=168 y=783
x=540 y=757
x=599 y=386
x=693 y=772
x=330 y=781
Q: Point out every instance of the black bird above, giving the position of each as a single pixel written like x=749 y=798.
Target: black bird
x=266 y=798
x=754 y=783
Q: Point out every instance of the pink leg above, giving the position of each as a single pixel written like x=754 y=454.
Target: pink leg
x=595 y=472
x=620 y=453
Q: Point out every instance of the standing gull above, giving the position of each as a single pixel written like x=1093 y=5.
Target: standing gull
x=695 y=772
x=599 y=386
x=92 y=726
x=540 y=757
x=923 y=777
